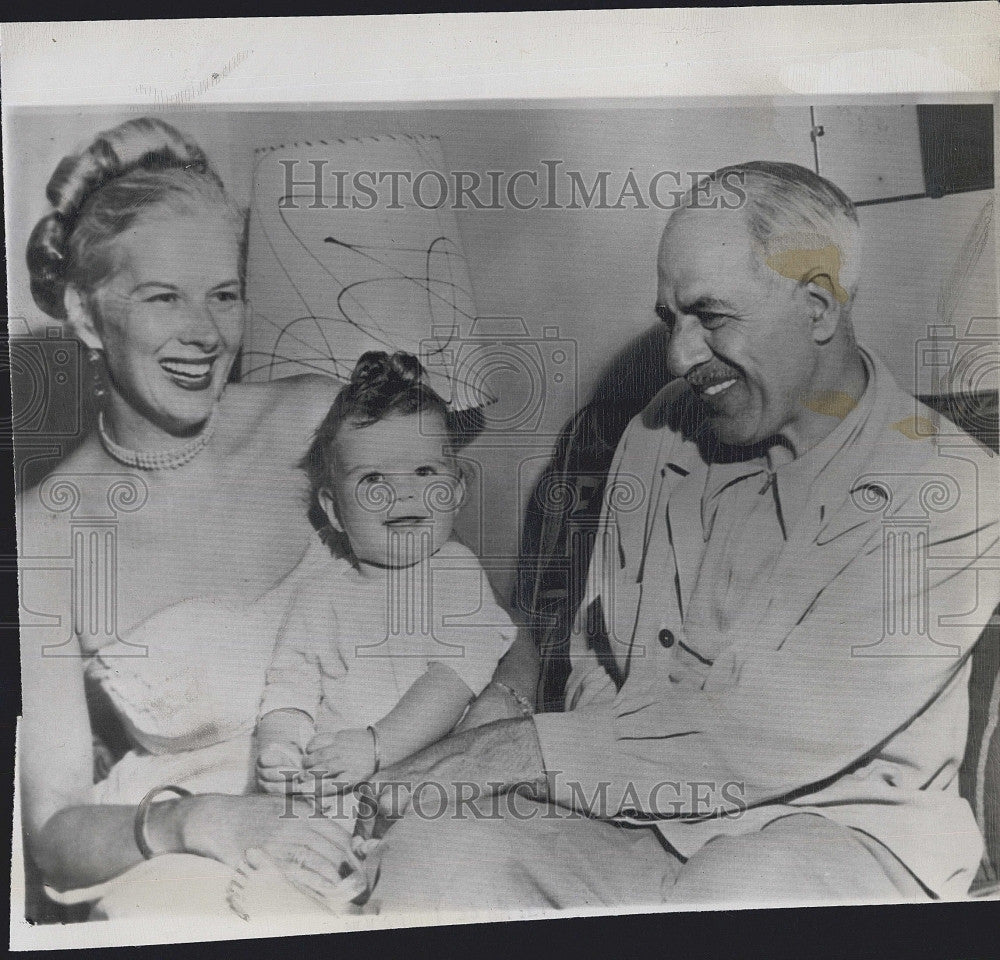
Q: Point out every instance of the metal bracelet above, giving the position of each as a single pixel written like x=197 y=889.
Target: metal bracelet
x=142 y=812
x=378 y=749
x=527 y=707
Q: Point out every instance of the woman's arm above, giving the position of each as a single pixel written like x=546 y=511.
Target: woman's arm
x=56 y=745
x=80 y=846
x=73 y=841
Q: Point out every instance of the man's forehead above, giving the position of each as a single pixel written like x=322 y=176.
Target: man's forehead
x=704 y=243
x=706 y=227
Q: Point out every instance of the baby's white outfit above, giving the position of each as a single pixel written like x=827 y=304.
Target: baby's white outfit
x=352 y=644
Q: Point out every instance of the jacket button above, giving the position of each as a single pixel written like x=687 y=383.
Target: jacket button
x=666 y=638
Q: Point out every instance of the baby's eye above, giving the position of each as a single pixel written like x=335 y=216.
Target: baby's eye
x=227 y=296
x=373 y=477
x=427 y=470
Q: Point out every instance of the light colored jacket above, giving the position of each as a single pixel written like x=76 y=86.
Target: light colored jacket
x=846 y=691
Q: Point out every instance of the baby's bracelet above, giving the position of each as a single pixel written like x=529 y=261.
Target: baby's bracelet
x=142 y=812
x=378 y=750
x=527 y=707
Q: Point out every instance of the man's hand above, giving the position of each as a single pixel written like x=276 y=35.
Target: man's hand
x=494 y=758
x=344 y=757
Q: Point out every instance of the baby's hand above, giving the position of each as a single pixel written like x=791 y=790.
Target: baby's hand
x=274 y=761
x=344 y=757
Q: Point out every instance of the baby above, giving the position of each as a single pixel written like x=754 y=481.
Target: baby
x=380 y=656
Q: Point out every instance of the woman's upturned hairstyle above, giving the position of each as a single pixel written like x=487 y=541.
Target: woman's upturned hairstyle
x=380 y=386
x=136 y=169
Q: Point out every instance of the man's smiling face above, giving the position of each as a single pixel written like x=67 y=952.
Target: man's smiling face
x=742 y=339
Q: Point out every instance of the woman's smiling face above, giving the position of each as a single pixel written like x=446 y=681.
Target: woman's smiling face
x=170 y=318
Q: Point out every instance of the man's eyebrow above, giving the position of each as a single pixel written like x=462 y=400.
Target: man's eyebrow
x=707 y=303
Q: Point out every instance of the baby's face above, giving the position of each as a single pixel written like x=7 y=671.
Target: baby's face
x=396 y=491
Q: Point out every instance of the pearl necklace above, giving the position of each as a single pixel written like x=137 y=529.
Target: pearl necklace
x=158 y=459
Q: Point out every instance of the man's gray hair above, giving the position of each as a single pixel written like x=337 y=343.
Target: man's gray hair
x=789 y=210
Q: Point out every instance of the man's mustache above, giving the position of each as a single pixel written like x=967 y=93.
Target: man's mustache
x=709 y=374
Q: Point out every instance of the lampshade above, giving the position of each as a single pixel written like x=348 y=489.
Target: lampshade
x=340 y=261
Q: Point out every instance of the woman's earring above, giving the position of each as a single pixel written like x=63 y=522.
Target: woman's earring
x=97 y=373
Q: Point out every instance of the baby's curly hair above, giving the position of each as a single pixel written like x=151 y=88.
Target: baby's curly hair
x=380 y=386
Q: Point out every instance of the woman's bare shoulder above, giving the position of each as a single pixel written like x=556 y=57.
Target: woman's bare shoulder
x=308 y=391
x=286 y=410
x=314 y=389
x=64 y=486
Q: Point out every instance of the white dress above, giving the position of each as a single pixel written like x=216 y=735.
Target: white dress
x=190 y=706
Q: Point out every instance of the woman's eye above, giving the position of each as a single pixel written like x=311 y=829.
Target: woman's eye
x=227 y=296
x=165 y=297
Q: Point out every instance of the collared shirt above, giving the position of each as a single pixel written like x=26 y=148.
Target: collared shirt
x=840 y=687
x=748 y=510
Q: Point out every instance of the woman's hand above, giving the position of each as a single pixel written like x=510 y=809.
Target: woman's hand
x=225 y=827
x=289 y=879
x=344 y=757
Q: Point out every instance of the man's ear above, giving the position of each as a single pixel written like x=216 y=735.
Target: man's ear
x=329 y=505
x=80 y=319
x=824 y=304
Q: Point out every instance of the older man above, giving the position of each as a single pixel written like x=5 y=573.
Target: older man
x=768 y=701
